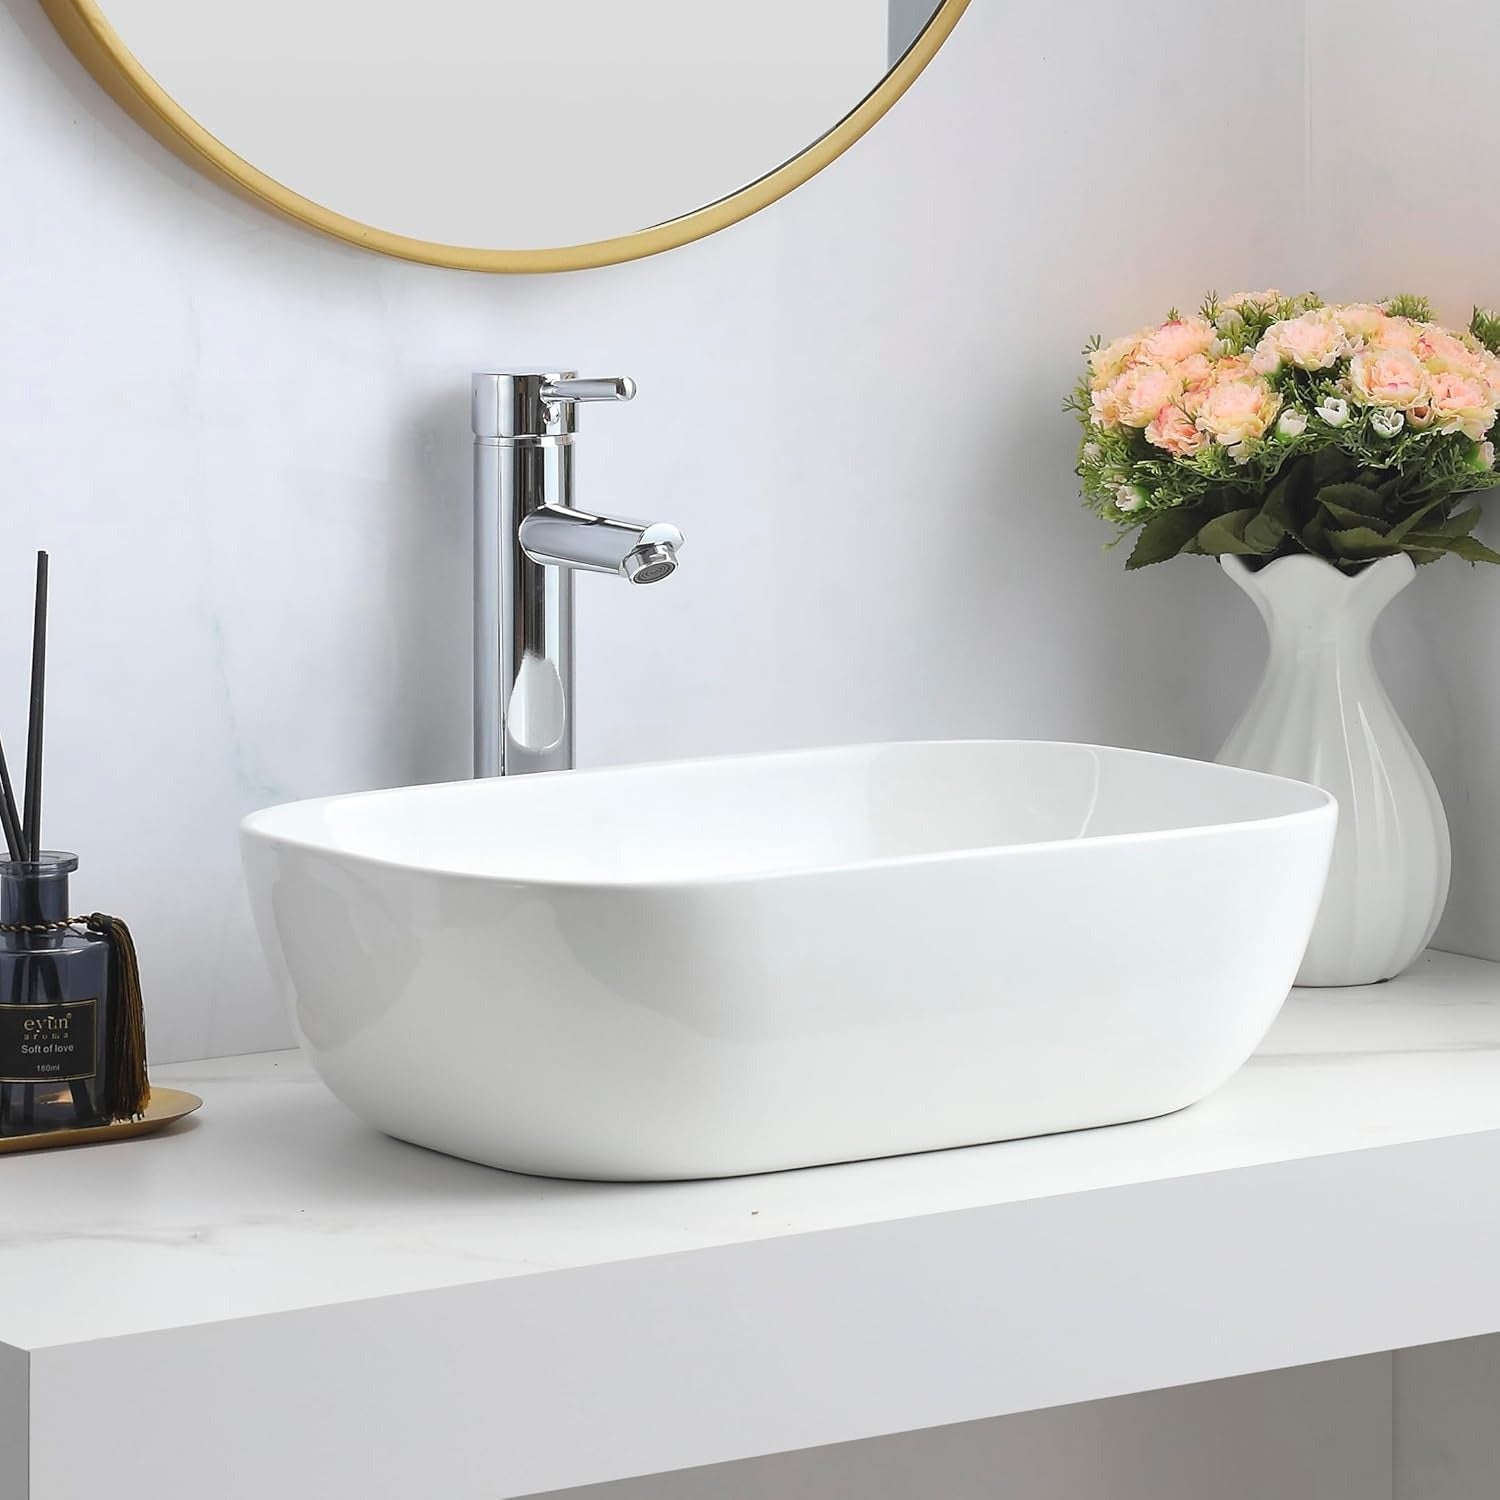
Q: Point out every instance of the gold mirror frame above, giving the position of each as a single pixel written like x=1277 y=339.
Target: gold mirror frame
x=114 y=67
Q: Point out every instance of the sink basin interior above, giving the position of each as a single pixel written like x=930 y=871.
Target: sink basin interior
x=803 y=810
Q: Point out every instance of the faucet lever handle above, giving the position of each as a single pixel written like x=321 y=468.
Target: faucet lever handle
x=616 y=388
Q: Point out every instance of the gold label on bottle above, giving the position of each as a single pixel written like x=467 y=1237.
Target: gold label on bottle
x=49 y=1043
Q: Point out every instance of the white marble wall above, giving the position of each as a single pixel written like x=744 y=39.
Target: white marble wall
x=247 y=448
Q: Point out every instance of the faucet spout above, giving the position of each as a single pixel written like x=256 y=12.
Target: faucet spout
x=639 y=551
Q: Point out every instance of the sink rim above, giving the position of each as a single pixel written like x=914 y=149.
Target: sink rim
x=261 y=825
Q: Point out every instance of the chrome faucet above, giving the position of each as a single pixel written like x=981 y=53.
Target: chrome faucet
x=528 y=541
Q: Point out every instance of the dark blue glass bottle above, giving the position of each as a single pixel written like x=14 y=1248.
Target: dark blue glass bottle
x=54 y=1001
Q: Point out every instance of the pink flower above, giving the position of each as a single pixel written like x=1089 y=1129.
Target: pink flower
x=1313 y=341
x=1178 y=340
x=1462 y=403
x=1104 y=410
x=1106 y=363
x=1387 y=377
x=1234 y=367
x=1360 y=320
x=1268 y=298
x=1397 y=333
x=1238 y=411
x=1173 y=429
x=1195 y=393
x=1194 y=368
x=1141 y=391
x=1440 y=350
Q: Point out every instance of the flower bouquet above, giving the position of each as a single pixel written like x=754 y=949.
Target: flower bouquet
x=1270 y=426
x=1321 y=452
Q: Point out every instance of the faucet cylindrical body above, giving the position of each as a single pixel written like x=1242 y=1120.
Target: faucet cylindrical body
x=523 y=611
x=528 y=542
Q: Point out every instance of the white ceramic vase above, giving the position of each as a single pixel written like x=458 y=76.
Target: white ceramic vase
x=1321 y=715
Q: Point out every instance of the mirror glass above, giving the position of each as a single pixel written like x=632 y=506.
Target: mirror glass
x=509 y=124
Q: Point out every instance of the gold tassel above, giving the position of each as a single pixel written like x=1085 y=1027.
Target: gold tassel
x=128 y=1090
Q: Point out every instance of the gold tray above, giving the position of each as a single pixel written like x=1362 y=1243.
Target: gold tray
x=165 y=1106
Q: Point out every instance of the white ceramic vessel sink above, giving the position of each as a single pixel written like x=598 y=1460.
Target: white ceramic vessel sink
x=738 y=965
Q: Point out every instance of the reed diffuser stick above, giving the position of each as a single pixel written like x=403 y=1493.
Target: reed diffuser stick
x=10 y=820
x=32 y=827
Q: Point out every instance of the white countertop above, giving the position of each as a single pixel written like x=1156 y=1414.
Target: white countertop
x=275 y=1198
x=275 y=1201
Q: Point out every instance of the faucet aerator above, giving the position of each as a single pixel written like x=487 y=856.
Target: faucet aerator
x=650 y=564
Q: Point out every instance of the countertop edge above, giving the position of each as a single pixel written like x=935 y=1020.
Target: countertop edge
x=696 y=1357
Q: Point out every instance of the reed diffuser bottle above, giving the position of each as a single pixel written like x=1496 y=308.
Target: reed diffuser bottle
x=72 y=1035
x=54 y=1003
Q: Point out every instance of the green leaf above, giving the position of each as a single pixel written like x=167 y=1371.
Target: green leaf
x=1164 y=536
x=1485 y=327
x=1327 y=464
x=1346 y=517
x=1264 y=532
x=1406 y=305
x=1359 y=498
x=1359 y=543
x=1470 y=548
x=1278 y=506
x=1460 y=524
x=1226 y=533
x=1409 y=524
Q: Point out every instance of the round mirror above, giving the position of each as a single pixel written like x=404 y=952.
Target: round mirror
x=501 y=134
